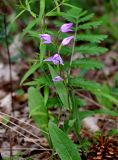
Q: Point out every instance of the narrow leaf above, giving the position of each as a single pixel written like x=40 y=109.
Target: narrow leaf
x=33 y=68
x=60 y=88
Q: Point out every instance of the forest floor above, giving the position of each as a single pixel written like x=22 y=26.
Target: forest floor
x=18 y=134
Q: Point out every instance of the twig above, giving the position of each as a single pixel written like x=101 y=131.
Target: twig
x=6 y=149
x=10 y=73
x=24 y=136
x=20 y=127
x=9 y=61
x=23 y=122
x=89 y=99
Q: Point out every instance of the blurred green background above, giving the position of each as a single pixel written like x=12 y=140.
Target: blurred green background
x=106 y=10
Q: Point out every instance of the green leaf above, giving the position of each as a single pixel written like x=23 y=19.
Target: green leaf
x=87 y=113
x=60 y=89
x=64 y=50
x=85 y=84
x=43 y=80
x=94 y=88
x=91 y=38
x=42 y=52
x=18 y=15
x=72 y=6
x=90 y=25
x=53 y=102
x=109 y=97
x=33 y=14
x=77 y=123
x=62 y=144
x=36 y=20
x=42 y=8
x=86 y=18
x=113 y=132
x=58 y=23
x=106 y=111
x=46 y=94
x=91 y=49
x=27 y=4
x=38 y=110
x=5 y=119
x=87 y=64
x=40 y=81
x=30 y=26
x=32 y=69
x=72 y=14
x=34 y=34
x=102 y=100
x=68 y=17
x=52 y=13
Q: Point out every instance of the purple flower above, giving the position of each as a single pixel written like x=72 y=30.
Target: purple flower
x=66 y=27
x=57 y=79
x=46 y=38
x=67 y=40
x=56 y=59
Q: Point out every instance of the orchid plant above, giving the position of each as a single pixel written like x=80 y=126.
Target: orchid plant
x=56 y=58
x=56 y=86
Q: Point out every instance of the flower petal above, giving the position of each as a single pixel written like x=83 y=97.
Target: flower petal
x=56 y=59
x=66 y=27
x=57 y=79
x=46 y=38
x=67 y=40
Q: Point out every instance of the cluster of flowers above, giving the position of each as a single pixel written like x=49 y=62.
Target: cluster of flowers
x=56 y=58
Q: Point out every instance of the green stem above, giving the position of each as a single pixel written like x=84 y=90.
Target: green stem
x=54 y=9
x=57 y=5
x=59 y=48
x=73 y=48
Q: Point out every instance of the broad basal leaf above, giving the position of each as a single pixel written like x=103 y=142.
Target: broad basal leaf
x=38 y=110
x=62 y=144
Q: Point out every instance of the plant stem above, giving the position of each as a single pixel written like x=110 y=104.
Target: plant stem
x=57 y=5
x=73 y=48
x=54 y=9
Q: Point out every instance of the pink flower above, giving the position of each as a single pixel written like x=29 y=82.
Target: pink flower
x=46 y=38
x=56 y=59
x=66 y=27
x=67 y=40
x=57 y=79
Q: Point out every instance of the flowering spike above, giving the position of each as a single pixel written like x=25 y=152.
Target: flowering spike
x=66 y=27
x=46 y=38
x=56 y=59
x=57 y=79
x=67 y=40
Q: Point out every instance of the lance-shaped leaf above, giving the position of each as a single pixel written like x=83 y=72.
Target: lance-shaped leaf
x=32 y=69
x=62 y=144
x=60 y=88
x=38 y=110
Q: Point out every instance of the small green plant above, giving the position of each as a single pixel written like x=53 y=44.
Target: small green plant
x=56 y=86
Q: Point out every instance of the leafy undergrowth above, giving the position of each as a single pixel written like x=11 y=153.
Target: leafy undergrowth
x=23 y=147
x=65 y=107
